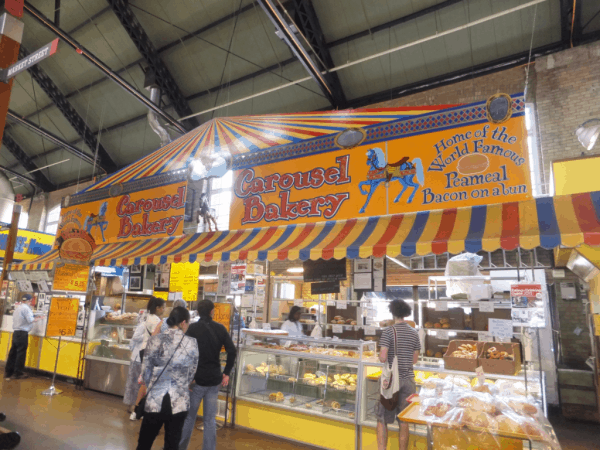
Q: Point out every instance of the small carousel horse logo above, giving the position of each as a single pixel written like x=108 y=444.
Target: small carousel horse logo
x=380 y=171
x=99 y=221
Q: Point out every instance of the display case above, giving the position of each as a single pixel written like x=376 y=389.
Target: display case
x=312 y=376
x=107 y=353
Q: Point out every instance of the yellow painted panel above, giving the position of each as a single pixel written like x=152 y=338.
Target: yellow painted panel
x=576 y=176
x=5 y=341
x=300 y=427
x=33 y=351
x=369 y=440
x=68 y=358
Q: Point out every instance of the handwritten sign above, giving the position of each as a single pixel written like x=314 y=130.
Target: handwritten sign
x=71 y=277
x=299 y=303
x=184 y=279
x=337 y=328
x=501 y=328
x=486 y=307
x=370 y=331
x=485 y=336
x=441 y=306
x=62 y=317
x=341 y=304
x=223 y=314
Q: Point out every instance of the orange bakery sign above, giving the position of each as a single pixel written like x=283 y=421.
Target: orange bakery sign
x=476 y=164
x=157 y=212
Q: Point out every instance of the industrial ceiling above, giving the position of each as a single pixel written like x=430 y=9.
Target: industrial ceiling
x=83 y=112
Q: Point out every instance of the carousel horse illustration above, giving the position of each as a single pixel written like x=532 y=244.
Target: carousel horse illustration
x=380 y=171
x=206 y=213
x=99 y=221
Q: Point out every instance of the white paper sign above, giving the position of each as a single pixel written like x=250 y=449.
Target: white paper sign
x=485 y=336
x=486 y=307
x=43 y=286
x=441 y=334
x=337 y=328
x=370 y=331
x=17 y=275
x=298 y=303
x=378 y=284
x=504 y=339
x=266 y=326
x=25 y=285
x=441 y=306
x=501 y=328
x=341 y=304
x=330 y=302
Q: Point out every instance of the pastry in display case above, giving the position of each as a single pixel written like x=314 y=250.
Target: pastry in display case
x=315 y=376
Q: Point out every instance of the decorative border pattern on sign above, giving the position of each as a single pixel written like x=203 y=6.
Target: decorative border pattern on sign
x=427 y=123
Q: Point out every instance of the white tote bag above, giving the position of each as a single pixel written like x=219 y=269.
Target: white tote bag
x=390 y=381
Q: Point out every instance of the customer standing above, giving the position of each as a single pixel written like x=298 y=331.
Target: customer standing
x=211 y=337
x=162 y=326
x=133 y=391
x=293 y=325
x=22 y=324
x=407 y=350
x=170 y=363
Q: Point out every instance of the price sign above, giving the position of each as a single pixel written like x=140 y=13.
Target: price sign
x=183 y=280
x=480 y=375
x=71 y=277
x=370 y=331
x=486 y=307
x=62 y=317
x=441 y=334
x=441 y=306
x=330 y=302
x=223 y=314
x=266 y=326
x=299 y=303
x=485 y=336
x=341 y=304
x=501 y=328
x=338 y=328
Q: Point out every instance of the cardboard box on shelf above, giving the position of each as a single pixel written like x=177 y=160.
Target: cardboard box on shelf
x=501 y=366
x=464 y=364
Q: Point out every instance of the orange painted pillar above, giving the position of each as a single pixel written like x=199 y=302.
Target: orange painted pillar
x=11 y=35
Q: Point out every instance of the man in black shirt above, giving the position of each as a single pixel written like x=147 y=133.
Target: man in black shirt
x=211 y=337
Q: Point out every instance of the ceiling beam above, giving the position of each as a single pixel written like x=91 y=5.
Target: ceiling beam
x=17 y=174
x=70 y=113
x=52 y=138
x=290 y=37
x=308 y=22
x=65 y=37
x=41 y=180
x=163 y=77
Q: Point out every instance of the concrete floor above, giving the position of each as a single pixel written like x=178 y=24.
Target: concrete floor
x=92 y=420
x=77 y=420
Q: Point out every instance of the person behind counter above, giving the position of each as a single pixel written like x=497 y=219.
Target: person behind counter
x=162 y=327
x=133 y=391
x=211 y=336
x=23 y=321
x=407 y=350
x=169 y=366
x=293 y=325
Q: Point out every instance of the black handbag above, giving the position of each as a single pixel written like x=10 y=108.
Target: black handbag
x=141 y=406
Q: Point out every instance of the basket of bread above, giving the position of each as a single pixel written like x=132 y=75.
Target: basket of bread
x=462 y=355
x=500 y=358
x=493 y=411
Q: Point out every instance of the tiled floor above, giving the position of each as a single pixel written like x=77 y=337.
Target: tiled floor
x=91 y=420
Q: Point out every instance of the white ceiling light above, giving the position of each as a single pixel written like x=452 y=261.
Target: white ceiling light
x=588 y=133
x=296 y=270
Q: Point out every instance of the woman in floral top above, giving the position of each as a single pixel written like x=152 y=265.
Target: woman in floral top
x=168 y=398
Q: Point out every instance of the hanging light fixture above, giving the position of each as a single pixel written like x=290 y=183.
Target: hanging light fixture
x=588 y=133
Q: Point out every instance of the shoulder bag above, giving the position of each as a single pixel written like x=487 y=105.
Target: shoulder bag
x=390 y=381
x=141 y=406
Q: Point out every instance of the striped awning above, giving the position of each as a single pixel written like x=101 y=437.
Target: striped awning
x=253 y=133
x=569 y=220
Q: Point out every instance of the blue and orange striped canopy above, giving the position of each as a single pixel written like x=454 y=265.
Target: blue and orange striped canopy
x=549 y=222
x=253 y=133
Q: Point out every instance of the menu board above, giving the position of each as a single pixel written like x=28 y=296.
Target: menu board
x=223 y=314
x=71 y=277
x=184 y=279
x=62 y=317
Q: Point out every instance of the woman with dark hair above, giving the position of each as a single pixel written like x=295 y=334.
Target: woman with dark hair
x=293 y=325
x=170 y=363
x=162 y=326
x=406 y=347
x=134 y=389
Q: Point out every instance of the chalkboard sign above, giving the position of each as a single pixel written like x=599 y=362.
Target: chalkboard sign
x=328 y=287
x=499 y=108
x=324 y=270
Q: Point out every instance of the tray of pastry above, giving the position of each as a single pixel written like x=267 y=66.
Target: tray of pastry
x=339 y=408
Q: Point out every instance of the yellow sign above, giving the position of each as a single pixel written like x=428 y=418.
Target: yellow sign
x=146 y=214
x=596 y=324
x=62 y=317
x=184 y=278
x=471 y=165
x=576 y=176
x=71 y=277
x=223 y=314
x=29 y=244
x=161 y=294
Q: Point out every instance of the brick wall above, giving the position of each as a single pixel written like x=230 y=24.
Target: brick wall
x=567 y=94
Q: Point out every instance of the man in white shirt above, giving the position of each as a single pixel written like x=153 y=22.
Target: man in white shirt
x=22 y=324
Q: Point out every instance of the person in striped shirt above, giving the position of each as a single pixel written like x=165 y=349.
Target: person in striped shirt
x=407 y=351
